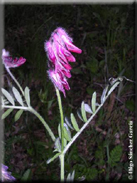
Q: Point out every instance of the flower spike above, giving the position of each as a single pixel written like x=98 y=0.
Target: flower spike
x=58 y=49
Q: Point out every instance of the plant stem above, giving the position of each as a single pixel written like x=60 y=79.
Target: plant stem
x=81 y=130
x=15 y=107
x=62 y=167
x=62 y=136
x=43 y=122
x=8 y=70
x=62 y=119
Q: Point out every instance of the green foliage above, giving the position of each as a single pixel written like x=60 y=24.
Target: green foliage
x=93 y=102
x=115 y=155
x=74 y=122
x=18 y=115
x=8 y=96
x=6 y=113
x=27 y=95
x=17 y=96
x=83 y=112
x=26 y=175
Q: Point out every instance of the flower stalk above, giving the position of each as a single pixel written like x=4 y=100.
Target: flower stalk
x=62 y=119
x=62 y=156
x=62 y=135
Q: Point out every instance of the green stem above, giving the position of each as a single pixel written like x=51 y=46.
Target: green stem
x=43 y=122
x=62 y=136
x=62 y=167
x=8 y=70
x=14 y=107
x=62 y=119
x=30 y=109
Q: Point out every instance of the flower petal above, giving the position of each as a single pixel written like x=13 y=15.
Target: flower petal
x=70 y=46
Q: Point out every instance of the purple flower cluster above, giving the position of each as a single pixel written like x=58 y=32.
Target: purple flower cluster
x=9 y=62
x=6 y=176
x=59 y=48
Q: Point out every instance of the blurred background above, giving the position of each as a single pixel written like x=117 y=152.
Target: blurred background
x=105 y=33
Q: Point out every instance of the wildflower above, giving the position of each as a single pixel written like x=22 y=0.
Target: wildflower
x=9 y=62
x=59 y=81
x=59 y=48
x=6 y=176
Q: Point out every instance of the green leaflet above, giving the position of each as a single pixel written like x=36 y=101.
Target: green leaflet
x=74 y=122
x=65 y=142
x=67 y=133
x=113 y=87
x=27 y=95
x=68 y=122
x=54 y=157
x=26 y=175
x=17 y=96
x=115 y=155
x=59 y=131
x=88 y=109
x=83 y=112
x=79 y=114
x=18 y=115
x=8 y=96
x=93 y=102
x=5 y=114
x=103 y=96
x=58 y=145
x=4 y=101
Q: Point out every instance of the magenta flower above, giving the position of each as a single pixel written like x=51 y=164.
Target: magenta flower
x=9 y=62
x=59 y=81
x=6 y=176
x=59 y=48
